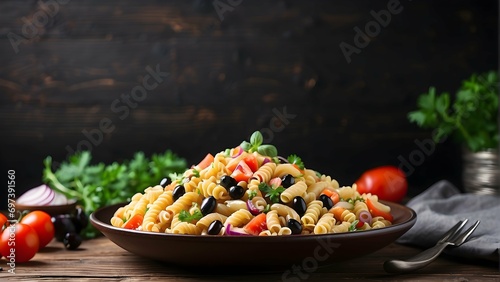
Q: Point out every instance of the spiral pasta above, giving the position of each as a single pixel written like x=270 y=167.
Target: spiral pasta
x=297 y=189
x=211 y=188
x=164 y=200
x=325 y=224
x=239 y=218
x=184 y=202
x=312 y=214
x=273 y=223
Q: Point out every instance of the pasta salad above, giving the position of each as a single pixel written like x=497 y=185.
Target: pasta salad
x=250 y=190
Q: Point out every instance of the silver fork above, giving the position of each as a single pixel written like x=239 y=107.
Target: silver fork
x=451 y=238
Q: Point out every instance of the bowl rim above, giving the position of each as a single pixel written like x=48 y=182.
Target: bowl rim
x=407 y=223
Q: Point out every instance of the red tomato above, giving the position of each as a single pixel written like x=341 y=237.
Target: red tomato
x=242 y=172
x=252 y=162
x=20 y=242
x=378 y=209
x=42 y=224
x=134 y=222
x=387 y=182
x=256 y=224
x=3 y=220
x=206 y=161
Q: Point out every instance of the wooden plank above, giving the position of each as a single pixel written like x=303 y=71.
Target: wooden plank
x=100 y=259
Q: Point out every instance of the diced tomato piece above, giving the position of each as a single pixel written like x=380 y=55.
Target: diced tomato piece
x=206 y=161
x=134 y=222
x=360 y=224
x=242 y=172
x=233 y=163
x=252 y=162
x=337 y=212
x=256 y=225
x=378 y=209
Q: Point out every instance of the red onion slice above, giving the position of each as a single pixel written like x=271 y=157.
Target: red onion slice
x=235 y=231
x=365 y=217
x=237 y=152
x=38 y=196
x=252 y=208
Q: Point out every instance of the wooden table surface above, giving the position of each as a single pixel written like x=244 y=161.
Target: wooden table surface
x=101 y=260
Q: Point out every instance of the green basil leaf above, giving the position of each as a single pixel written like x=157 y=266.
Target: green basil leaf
x=268 y=150
x=256 y=139
x=245 y=145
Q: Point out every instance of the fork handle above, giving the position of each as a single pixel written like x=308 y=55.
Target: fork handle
x=416 y=262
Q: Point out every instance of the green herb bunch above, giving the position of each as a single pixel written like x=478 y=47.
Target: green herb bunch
x=99 y=185
x=472 y=117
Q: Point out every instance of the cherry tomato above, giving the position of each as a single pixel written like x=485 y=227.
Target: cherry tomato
x=242 y=172
x=387 y=182
x=41 y=222
x=19 y=242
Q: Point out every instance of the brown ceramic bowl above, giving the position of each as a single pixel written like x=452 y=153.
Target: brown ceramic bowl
x=52 y=210
x=272 y=251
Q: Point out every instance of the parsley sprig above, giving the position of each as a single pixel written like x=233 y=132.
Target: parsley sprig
x=99 y=184
x=471 y=116
x=272 y=193
x=296 y=160
x=255 y=145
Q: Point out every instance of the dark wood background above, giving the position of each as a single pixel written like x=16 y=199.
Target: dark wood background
x=228 y=77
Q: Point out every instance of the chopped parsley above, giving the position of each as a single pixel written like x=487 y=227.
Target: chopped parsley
x=267 y=208
x=353 y=226
x=176 y=177
x=272 y=194
x=296 y=160
x=353 y=201
x=185 y=216
x=251 y=194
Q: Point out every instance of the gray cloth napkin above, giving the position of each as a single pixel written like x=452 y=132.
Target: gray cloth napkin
x=441 y=206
